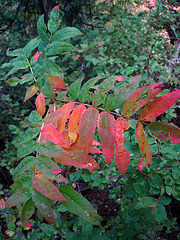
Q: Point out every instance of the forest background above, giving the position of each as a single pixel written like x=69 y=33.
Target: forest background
x=123 y=38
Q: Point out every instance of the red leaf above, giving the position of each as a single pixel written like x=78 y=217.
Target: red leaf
x=106 y=125
x=159 y=105
x=40 y=104
x=56 y=81
x=162 y=130
x=143 y=143
x=74 y=122
x=53 y=117
x=66 y=108
x=36 y=55
x=120 y=78
x=122 y=156
x=141 y=164
x=140 y=98
x=78 y=158
x=52 y=134
x=44 y=186
x=30 y=92
x=87 y=127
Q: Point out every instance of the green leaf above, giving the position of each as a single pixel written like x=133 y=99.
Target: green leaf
x=176 y=194
x=35 y=118
x=41 y=27
x=30 y=134
x=79 y=205
x=51 y=68
x=26 y=148
x=75 y=88
x=31 y=46
x=65 y=33
x=17 y=66
x=100 y=94
x=59 y=48
x=84 y=92
x=27 y=211
x=19 y=197
x=14 y=53
x=13 y=81
x=43 y=204
x=25 y=164
x=160 y=213
x=157 y=180
x=50 y=149
x=49 y=167
x=24 y=180
x=175 y=172
x=54 y=21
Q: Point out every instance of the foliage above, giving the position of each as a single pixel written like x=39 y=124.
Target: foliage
x=64 y=133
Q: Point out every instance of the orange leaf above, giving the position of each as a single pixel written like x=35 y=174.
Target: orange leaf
x=140 y=98
x=87 y=127
x=66 y=108
x=74 y=122
x=40 y=104
x=106 y=125
x=122 y=156
x=53 y=117
x=159 y=105
x=44 y=186
x=143 y=143
x=36 y=55
x=78 y=158
x=56 y=81
x=52 y=134
x=30 y=92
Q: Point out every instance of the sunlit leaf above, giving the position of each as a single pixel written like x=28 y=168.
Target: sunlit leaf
x=143 y=143
x=40 y=104
x=159 y=105
x=162 y=130
x=30 y=92
x=44 y=186
x=106 y=125
x=56 y=81
x=43 y=205
x=87 y=127
x=73 y=125
x=79 y=205
x=76 y=157
x=52 y=134
x=141 y=97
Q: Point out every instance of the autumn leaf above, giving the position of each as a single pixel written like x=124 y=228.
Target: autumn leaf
x=52 y=134
x=164 y=130
x=158 y=106
x=53 y=117
x=74 y=120
x=66 y=108
x=44 y=186
x=76 y=157
x=106 y=125
x=120 y=78
x=40 y=104
x=56 y=81
x=36 y=55
x=30 y=92
x=87 y=127
x=143 y=143
x=141 y=164
x=140 y=98
x=122 y=156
